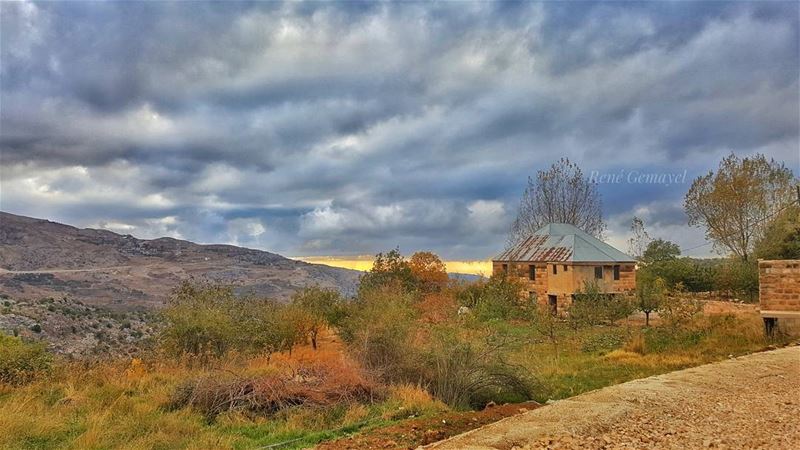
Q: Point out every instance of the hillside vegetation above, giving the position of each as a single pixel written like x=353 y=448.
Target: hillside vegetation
x=227 y=371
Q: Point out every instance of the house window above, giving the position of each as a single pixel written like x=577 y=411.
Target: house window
x=505 y=269
x=616 y=272
x=565 y=267
x=598 y=272
x=532 y=272
x=555 y=269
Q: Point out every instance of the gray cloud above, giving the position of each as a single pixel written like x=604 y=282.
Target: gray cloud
x=353 y=127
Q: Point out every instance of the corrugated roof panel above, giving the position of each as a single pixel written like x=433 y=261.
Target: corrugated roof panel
x=561 y=242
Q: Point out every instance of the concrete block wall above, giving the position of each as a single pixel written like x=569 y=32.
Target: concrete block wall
x=779 y=295
x=779 y=285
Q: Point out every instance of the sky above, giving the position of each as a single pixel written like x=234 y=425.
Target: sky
x=348 y=128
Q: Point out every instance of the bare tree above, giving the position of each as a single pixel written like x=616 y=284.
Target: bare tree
x=639 y=240
x=737 y=203
x=560 y=194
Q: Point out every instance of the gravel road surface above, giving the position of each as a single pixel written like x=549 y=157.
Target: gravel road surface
x=749 y=402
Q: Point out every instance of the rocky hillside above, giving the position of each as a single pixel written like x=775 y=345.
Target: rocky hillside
x=73 y=328
x=40 y=259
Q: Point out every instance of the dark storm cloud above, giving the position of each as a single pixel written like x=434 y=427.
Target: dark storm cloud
x=349 y=127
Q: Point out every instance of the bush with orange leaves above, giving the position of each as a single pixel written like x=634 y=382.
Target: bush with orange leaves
x=437 y=307
x=309 y=383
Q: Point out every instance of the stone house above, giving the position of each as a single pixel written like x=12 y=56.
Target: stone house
x=559 y=259
x=779 y=295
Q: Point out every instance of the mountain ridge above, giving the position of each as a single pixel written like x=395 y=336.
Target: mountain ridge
x=39 y=257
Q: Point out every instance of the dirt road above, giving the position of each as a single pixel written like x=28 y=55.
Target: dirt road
x=745 y=403
x=92 y=269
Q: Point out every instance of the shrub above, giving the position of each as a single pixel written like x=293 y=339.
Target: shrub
x=313 y=384
x=605 y=341
x=464 y=374
x=547 y=324
x=679 y=310
x=21 y=362
x=738 y=278
x=591 y=306
x=200 y=320
x=497 y=298
x=583 y=312
x=378 y=332
x=619 y=306
x=437 y=307
x=36 y=328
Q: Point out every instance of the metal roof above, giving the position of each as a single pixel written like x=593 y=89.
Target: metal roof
x=561 y=242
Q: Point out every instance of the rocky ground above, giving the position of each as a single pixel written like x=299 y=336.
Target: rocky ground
x=749 y=402
x=412 y=433
x=72 y=328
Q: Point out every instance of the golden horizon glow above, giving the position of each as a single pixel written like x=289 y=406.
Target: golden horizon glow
x=364 y=263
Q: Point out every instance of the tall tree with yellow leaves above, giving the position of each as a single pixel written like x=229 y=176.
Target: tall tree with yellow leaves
x=736 y=203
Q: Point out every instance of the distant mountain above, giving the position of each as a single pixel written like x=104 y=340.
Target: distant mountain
x=39 y=258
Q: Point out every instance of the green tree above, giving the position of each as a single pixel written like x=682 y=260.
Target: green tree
x=549 y=325
x=660 y=250
x=208 y=320
x=389 y=269
x=696 y=275
x=198 y=320
x=735 y=203
x=739 y=278
x=781 y=239
x=650 y=292
x=323 y=308
x=587 y=306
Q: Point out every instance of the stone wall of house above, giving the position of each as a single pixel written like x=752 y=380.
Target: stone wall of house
x=567 y=279
x=779 y=294
x=583 y=273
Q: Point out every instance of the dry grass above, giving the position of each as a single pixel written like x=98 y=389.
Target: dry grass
x=640 y=353
x=106 y=406
x=124 y=404
x=408 y=400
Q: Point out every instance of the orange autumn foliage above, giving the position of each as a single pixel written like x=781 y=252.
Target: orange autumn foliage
x=428 y=268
